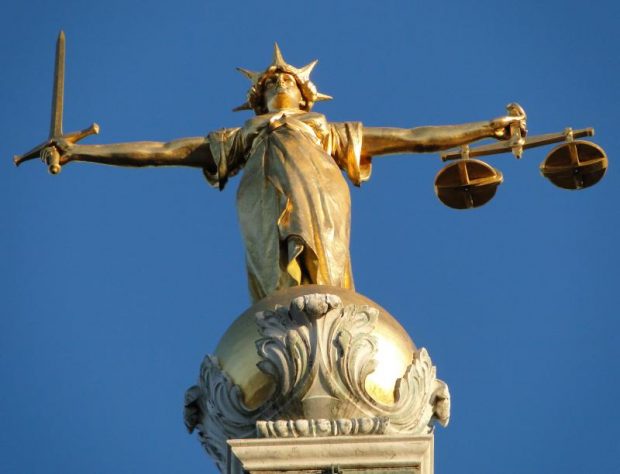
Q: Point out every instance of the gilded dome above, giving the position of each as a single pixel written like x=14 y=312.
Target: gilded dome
x=392 y=353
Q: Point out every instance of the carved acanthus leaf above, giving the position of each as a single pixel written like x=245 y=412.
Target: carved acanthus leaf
x=285 y=348
x=413 y=409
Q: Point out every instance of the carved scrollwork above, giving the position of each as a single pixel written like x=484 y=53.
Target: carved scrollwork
x=350 y=350
x=286 y=348
x=215 y=409
x=418 y=394
x=315 y=349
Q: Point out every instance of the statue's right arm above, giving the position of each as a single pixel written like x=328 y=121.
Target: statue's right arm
x=194 y=152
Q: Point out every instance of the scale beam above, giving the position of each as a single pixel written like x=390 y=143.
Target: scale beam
x=530 y=142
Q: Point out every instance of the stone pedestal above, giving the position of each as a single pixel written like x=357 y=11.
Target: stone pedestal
x=387 y=454
x=316 y=377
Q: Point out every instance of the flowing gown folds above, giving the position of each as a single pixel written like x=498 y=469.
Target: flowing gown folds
x=293 y=202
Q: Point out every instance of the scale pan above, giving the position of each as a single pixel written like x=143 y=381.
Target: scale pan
x=575 y=165
x=466 y=184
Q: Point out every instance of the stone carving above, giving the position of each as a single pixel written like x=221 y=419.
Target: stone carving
x=319 y=353
x=317 y=339
x=214 y=408
x=322 y=427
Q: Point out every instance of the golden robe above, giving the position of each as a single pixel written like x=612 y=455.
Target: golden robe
x=293 y=202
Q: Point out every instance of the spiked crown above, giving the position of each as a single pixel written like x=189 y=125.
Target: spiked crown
x=302 y=77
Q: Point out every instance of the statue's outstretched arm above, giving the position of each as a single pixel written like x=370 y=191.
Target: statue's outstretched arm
x=193 y=152
x=384 y=141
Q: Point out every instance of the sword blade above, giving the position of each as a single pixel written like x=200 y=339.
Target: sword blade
x=59 y=87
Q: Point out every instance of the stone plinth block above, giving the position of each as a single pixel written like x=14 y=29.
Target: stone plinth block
x=346 y=454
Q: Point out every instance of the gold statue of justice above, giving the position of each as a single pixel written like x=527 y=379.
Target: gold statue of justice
x=293 y=202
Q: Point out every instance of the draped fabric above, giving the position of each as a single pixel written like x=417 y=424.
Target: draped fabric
x=293 y=201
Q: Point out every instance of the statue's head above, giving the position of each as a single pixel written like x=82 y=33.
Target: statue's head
x=280 y=91
x=281 y=86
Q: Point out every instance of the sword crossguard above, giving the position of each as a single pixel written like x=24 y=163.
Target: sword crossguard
x=75 y=137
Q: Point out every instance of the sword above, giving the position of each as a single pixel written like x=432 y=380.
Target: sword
x=47 y=150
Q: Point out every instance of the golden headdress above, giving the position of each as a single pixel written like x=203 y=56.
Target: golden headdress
x=302 y=77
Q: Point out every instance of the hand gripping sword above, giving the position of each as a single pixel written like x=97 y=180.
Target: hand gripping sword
x=47 y=150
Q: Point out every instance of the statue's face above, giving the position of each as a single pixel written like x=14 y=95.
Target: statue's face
x=280 y=91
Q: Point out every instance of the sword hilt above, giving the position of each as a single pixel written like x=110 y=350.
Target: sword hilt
x=51 y=156
x=40 y=149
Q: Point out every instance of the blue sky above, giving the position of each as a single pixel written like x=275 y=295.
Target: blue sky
x=116 y=282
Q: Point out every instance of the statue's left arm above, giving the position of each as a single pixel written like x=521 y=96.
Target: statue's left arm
x=384 y=141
